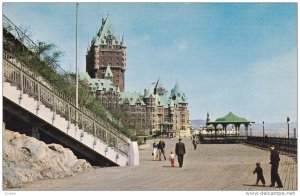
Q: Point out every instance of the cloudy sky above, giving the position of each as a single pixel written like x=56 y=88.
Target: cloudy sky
x=239 y=57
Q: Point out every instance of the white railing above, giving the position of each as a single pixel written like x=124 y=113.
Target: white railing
x=32 y=84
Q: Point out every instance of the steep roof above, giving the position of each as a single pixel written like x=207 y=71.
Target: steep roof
x=84 y=76
x=106 y=30
x=164 y=101
x=231 y=118
x=98 y=84
x=130 y=97
x=149 y=92
x=177 y=95
x=176 y=90
x=108 y=72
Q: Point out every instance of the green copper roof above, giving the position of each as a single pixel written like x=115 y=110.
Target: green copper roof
x=149 y=93
x=84 y=76
x=231 y=118
x=131 y=97
x=98 y=84
x=108 y=72
x=176 y=91
x=164 y=101
x=177 y=95
x=104 y=32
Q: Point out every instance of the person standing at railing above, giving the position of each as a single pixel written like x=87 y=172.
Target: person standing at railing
x=266 y=141
x=274 y=167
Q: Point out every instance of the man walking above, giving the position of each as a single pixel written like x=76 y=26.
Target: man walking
x=180 y=151
x=274 y=167
x=195 y=142
x=161 y=148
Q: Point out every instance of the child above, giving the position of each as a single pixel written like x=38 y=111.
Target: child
x=258 y=170
x=172 y=158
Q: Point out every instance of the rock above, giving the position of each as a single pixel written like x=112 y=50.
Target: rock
x=26 y=159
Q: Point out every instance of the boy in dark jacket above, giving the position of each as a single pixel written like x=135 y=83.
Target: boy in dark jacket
x=258 y=170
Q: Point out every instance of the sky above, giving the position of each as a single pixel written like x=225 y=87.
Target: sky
x=226 y=57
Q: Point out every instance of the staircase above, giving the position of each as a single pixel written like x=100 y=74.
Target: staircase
x=30 y=92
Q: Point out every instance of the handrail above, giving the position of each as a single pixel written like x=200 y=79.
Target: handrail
x=26 y=41
x=287 y=145
x=34 y=85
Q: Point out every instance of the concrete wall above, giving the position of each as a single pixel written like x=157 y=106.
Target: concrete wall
x=56 y=121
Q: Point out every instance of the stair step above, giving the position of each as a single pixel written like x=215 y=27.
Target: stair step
x=45 y=112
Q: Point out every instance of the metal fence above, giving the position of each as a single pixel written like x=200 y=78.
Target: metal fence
x=285 y=145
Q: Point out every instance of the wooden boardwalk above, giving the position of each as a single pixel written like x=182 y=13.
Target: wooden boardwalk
x=212 y=167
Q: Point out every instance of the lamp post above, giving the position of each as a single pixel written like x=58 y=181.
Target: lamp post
x=288 y=123
x=76 y=56
x=263 y=122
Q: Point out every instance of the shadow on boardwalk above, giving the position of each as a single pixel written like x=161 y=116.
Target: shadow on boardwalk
x=210 y=167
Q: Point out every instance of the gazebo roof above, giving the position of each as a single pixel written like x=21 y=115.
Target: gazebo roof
x=231 y=118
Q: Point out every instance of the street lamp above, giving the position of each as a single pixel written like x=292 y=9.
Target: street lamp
x=288 y=123
x=263 y=128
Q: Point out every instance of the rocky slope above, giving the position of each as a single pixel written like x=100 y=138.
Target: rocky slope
x=26 y=159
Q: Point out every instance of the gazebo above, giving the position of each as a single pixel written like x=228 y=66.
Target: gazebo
x=230 y=119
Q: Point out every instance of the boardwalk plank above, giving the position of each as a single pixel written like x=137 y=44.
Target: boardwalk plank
x=210 y=167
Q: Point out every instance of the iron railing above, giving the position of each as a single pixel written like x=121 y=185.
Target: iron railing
x=285 y=145
x=33 y=84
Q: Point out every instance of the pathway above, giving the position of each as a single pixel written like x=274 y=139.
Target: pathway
x=210 y=167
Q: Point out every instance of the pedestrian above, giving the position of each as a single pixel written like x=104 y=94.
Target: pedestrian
x=260 y=176
x=172 y=158
x=161 y=149
x=155 y=149
x=195 y=142
x=180 y=151
x=274 y=168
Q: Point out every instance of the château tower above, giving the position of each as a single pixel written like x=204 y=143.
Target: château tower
x=107 y=50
